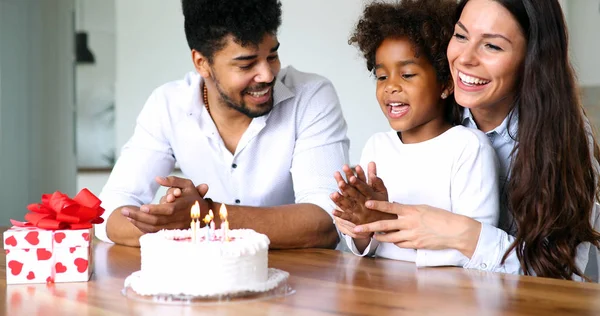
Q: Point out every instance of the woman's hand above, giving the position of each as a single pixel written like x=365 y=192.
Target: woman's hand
x=423 y=227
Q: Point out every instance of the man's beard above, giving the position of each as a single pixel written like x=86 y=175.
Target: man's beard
x=263 y=108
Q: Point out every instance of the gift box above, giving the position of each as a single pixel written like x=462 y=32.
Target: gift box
x=35 y=255
x=54 y=245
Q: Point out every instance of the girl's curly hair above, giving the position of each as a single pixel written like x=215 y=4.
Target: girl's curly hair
x=428 y=24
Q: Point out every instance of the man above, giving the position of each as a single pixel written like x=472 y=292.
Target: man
x=263 y=140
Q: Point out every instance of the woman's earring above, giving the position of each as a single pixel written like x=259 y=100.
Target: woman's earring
x=444 y=95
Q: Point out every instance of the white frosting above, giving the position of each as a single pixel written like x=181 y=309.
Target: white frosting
x=172 y=264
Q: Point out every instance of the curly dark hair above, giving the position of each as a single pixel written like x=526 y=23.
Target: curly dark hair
x=209 y=22
x=428 y=25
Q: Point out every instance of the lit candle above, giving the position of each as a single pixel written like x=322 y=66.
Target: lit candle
x=207 y=220
x=192 y=228
x=197 y=230
x=225 y=229
x=212 y=224
x=224 y=222
x=195 y=225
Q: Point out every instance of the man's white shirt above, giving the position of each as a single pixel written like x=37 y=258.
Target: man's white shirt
x=287 y=156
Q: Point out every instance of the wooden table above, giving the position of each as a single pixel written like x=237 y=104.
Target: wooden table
x=327 y=282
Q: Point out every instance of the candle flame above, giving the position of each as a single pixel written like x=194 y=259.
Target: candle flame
x=207 y=219
x=223 y=212
x=195 y=212
x=210 y=213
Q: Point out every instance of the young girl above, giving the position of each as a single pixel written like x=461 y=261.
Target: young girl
x=427 y=158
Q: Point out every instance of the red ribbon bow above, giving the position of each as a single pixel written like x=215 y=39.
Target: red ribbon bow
x=58 y=211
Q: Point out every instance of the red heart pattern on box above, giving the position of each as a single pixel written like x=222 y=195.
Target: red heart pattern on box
x=60 y=268
x=32 y=238
x=40 y=256
x=15 y=267
x=81 y=264
x=58 y=237
x=43 y=254
x=11 y=241
x=26 y=238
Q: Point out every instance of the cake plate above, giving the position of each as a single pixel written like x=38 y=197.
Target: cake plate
x=275 y=286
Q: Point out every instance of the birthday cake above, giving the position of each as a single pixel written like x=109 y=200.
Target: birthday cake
x=173 y=263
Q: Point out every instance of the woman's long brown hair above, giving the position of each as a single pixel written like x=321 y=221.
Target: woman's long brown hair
x=553 y=182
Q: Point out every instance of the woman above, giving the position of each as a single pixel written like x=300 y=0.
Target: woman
x=509 y=61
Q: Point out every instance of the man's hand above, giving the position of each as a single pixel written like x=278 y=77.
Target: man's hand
x=361 y=240
x=174 y=192
x=169 y=215
x=354 y=193
x=347 y=228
